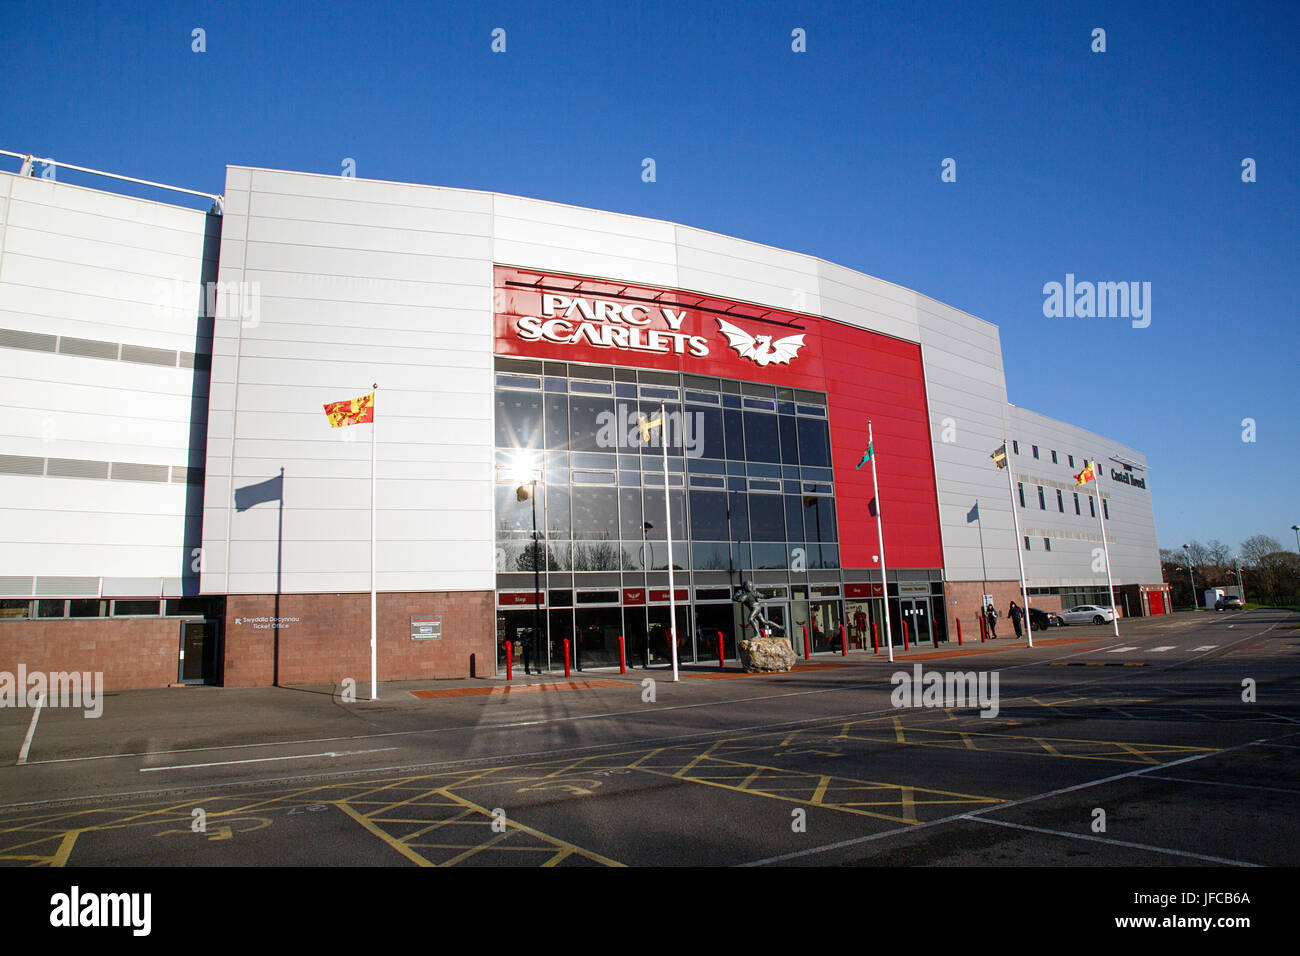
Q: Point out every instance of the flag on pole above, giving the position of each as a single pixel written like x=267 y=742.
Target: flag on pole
x=643 y=425
x=357 y=411
x=973 y=514
x=1088 y=474
x=999 y=456
x=866 y=456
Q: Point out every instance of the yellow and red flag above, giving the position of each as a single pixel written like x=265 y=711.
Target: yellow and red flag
x=357 y=411
x=643 y=425
x=1088 y=474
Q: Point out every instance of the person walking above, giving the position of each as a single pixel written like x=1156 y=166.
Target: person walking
x=991 y=617
x=1017 y=616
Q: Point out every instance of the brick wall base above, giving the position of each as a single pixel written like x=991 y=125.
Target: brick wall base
x=967 y=595
x=330 y=638
x=131 y=652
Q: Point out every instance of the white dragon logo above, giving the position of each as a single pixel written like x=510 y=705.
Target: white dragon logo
x=761 y=349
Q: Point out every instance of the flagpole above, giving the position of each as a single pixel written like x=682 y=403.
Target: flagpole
x=1110 y=585
x=374 y=670
x=668 y=529
x=880 y=537
x=1020 y=557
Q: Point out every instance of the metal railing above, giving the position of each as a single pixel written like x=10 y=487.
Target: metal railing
x=29 y=160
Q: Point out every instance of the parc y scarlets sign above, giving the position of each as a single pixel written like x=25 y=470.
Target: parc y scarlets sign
x=569 y=318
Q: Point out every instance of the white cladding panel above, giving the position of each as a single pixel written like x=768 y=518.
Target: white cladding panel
x=328 y=284
x=1076 y=558
x=968 y=406
x=541 y=235
x=746 y=271
x=84 y=271
x=352 y=282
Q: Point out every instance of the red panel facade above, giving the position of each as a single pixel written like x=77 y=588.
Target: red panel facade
x=864 y=374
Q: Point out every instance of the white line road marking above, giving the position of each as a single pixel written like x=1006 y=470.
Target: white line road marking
x=224 y=763
x=1219 y=783
x=1013 y=803
x=1204 y=647
x=434 y=766
x=660 y=709
x=1097 y=839
x=1122 y=650
x=1162 y=649
x=31 y=731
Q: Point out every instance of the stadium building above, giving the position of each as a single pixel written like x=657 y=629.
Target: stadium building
x=178 y=507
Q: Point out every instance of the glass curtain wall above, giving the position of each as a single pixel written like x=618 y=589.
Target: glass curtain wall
x=580 y=503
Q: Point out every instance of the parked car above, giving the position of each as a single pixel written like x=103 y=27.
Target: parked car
x=1041 y=620
x=1229 y=603
x=1086 y=613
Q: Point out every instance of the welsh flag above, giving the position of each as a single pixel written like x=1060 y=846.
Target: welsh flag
x=866 y=456
x=356 y=411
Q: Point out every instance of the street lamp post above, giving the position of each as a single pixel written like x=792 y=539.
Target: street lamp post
x=1296 y=529
x=526 y=471
x=529 y=490
x=1190 y=578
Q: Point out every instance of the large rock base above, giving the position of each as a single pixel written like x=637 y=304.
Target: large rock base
x=765 y=655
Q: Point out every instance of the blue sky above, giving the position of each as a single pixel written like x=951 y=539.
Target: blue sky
x=1115 y=166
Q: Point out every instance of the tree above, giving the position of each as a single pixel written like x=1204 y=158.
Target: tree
x=1198 y=553
x=1255 y=548
x=1219 y=553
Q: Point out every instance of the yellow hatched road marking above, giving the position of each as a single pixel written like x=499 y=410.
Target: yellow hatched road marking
x=396 y=844
x=1139 y=753
x=497 y=838
x=909 y=804
x=564 y=844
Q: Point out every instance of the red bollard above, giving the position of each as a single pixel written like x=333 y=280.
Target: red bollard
x=622 y=656
x=722 y=652
x=844 y=642
x=806 y=654
x=566 y=657
x=959 y=632
x=509 y=662
x=875 y=648
x=904 y=635
x=983 y=629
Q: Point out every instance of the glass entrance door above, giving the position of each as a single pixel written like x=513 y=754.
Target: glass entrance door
x=198 y=664
x=916 y=612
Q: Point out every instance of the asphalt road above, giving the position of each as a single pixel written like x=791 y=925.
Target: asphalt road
x=1132 y=752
